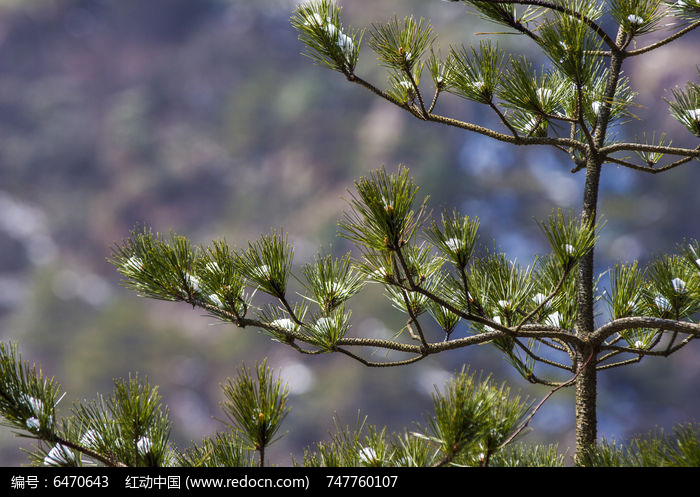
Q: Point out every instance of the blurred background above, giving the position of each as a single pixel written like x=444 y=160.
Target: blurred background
x=203 y=117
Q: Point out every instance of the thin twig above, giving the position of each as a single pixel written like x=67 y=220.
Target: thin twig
x=560 y=8
x=424 y=112
x=581 y=123
x=373 y=364
x=542 y=359
x=541 y=403
x=409 y=308
x=434 y=102
x=555 y=346
x=651 y=170
x=664 y=41
x=503 y=119
x=664 y=353
x=621 y=363
x=520 y=140
x=636 y=322
x=107 y=461
x=291 y=313
x=642 y=147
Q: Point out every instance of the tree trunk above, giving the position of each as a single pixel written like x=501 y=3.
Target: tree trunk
x=586 y=402
x=586 y=418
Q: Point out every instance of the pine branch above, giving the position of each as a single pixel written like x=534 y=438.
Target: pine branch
x=516 y=139
x=542 y=359
x=546 y=397
x=289 y=310
x=504 y=120
x=564 y=10
x=419 y=95
x=651 y=170
x=556 y=346
x=434 y=102
x=647 y=169
x=580 y=118
x=618 y=325
x=528 y=331
x=519 y=140
x=373 y=364
x=353 y=78
x=663 y=42
x=409 y=307
x=642 y=147
x=621 y=363
x=665 y=353
x=106 y=460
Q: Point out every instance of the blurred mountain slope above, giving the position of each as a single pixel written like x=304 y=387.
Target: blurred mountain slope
x=203 y=118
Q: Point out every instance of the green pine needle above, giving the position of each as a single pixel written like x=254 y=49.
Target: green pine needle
x=266 y=263
x=477 y=75
x=569 y=238
x=331 y=281
x=383 y=217
x=474 y=417
x=400 y=45
x=682 y=449
x=571 y=46
x=223 y=450
x=672 y=289
x=327 y=42
x=685 y=107
x=638 y=16
x=256 y=403
x=27 y=398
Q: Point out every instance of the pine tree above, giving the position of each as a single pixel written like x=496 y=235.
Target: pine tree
x=574 y=105
x=541 y=317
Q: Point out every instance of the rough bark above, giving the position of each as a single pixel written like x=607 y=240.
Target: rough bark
x=586 y=383
x=586 y=417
